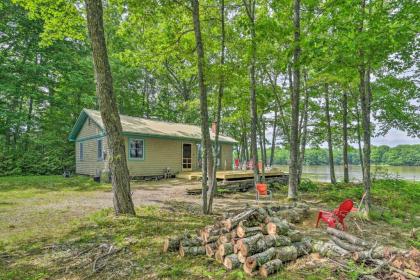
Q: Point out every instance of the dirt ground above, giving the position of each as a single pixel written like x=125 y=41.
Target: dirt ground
x=50 y=211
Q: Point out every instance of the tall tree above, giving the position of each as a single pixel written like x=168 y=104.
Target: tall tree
x=345 y=137
x=329 y=135
x=123 y=203
x=294 y=126
x=250 y=6
x=221 y=89
x=207 y=155
x=273 y=138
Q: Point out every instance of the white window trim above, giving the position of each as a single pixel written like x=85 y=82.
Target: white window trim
x=129 y=149
x=101 y=158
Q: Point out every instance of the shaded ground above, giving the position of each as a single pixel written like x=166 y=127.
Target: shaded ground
x=55 y=228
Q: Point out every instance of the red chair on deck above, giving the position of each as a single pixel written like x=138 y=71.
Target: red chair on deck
x=337 y=215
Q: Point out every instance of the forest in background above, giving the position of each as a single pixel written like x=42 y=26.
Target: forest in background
x=47 y=73
x=401 y=155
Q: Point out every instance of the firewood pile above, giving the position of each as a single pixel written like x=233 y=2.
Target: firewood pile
x=259 y=240
x=385 y=262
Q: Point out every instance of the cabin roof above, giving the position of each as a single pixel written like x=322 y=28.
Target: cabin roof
x=146 y=127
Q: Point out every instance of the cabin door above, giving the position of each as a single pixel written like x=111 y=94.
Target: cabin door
x=186 y=157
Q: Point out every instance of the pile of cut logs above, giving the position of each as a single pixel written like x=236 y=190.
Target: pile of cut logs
x=386 y=262
x=260 y=240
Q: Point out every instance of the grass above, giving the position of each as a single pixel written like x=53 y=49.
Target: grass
x=394 y=201
x=52 y=227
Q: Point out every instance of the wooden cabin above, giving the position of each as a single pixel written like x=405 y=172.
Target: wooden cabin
x=153 y=148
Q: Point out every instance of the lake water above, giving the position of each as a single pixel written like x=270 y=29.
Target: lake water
x=322 y=172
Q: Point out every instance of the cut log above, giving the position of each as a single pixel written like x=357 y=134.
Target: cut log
x=348 y=237
x=294 y=235
x=243 y=231
x=303 y=247
x=379 y=252
x=256 y=260
x=218 y=257
x=225 y=249
x=192 y=251
x=277 y=226
x=230 y=223
x=211 y=249
x=231 y=262
x=225 y=238
x=192 y=242
x=287 y=253
x=211 y=239
x=277 y=240
x=172 y=244
x=347 y=246
x=291 y=215
x=329 y=249
x=248 y=249
x=241 y=257
x=270 y=267
x=208 y=234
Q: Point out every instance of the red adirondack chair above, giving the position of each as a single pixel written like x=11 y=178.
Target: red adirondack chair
x=337 y=215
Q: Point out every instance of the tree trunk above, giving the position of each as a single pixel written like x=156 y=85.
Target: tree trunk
x=123 y=203
x=365 y=100
x=345 y=139
x=273 y=139
x=250 y=9
x=294 y=133
x=359 y=138
x=207 y=155
x=262 y=148
x=329 y=136
x=217 y=149
x=303 y=130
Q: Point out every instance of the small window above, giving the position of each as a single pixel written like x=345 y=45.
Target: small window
x=100 y=150
x=81 y=151
x=136 y=148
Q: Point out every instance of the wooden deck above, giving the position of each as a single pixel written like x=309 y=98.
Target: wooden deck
x=230 y=175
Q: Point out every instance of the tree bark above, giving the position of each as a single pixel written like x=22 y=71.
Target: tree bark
x=250 y=9
x=345 y=138
x=217 y=149
x=123 y=203
x=303 y=130
x=262 y=147
x=294 y=133
x=231 y=262
x=329 y=136
x=365 y=101
x=359 y=139
x=273 y=139
x=207 y=155
x=258 y=259
x=270 y=267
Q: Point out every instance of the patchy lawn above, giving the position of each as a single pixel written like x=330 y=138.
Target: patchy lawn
x=55 y=228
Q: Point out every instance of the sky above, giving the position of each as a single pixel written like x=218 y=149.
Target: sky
x=394 y=138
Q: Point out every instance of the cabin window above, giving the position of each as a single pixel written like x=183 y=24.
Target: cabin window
x=136 y=148
x=81 y=151
x=100 y=150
